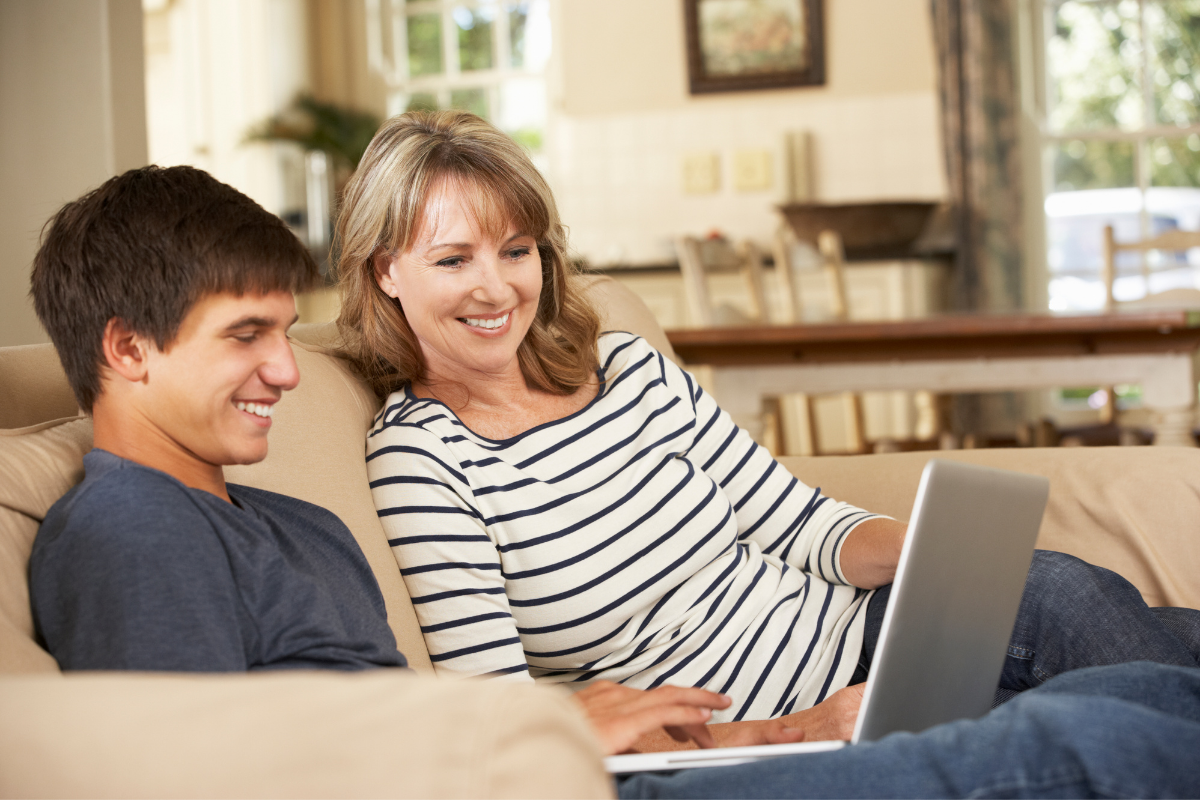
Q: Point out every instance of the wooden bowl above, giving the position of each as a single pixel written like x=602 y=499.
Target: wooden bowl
x=884 y=229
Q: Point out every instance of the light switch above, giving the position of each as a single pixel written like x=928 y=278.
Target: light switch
x=701 y=173
x=752 y=170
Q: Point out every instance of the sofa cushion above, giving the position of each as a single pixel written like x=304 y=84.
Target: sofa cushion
x=1129 y=509
x=316 y=453
x=33 y=386
x=380 y=734
x=37 y=466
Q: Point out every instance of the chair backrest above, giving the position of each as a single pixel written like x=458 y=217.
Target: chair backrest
x=1174 y=240
x=698 y=257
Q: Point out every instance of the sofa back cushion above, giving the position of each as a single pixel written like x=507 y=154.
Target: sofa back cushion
x=33 y=387
x=317 y=447
x=1129 y=509
x=38 y=465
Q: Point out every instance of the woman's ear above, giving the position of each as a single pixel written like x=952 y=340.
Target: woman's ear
x=382 y=263
x=125 y=352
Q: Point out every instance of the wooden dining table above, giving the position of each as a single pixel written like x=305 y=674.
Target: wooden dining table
x=947 y=354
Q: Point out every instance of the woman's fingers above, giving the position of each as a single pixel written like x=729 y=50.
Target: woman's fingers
x=620 y=715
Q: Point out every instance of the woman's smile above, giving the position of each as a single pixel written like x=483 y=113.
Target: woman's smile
x=488 y=325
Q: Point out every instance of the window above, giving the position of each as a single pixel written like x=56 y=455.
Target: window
x=488 y=57
x=1121 y=142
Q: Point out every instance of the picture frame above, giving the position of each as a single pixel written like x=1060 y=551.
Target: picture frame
x=741 y=45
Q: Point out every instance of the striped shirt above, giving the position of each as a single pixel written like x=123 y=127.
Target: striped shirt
x=643 y=539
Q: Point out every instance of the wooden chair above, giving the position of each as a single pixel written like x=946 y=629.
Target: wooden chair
x=798 y=416
x=700 y=257
x=1171 y=241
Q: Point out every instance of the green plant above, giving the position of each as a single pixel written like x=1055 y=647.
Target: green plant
x=342 y=133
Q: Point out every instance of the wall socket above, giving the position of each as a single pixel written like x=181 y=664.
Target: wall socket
x=701 y=173
x=752 y=170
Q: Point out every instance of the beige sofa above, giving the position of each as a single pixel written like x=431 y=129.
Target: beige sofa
x=1134 y=510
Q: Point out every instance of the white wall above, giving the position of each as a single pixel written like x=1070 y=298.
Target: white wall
x=624 y=122
x=72 y=114
x=215 y=68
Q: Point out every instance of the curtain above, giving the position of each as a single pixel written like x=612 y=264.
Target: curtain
x=978 y=85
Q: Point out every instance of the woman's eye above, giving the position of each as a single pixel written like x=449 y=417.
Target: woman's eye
x=456 y=261
x=519 y=253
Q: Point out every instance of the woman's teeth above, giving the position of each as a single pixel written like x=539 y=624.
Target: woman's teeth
x=260 y=409
x=498 y=322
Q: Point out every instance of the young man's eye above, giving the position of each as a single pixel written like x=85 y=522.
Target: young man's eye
x=247 y=338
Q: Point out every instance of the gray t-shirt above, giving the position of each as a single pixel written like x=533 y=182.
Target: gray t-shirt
x=133 y=570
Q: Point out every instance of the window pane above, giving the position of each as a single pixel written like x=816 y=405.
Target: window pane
x=424 y=44
x=518 y=17
x=473 y=100
x=1173 y=30
x=474 y=37
x=1092 y=61
x=529 y=34
x=1175 y=162
x=1082 y=164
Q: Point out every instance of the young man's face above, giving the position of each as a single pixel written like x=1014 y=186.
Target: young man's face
x=213 y=390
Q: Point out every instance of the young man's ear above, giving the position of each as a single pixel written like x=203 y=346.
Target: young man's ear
x=125 y=352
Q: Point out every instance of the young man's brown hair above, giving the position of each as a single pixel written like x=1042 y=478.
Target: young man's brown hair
x=143 y=248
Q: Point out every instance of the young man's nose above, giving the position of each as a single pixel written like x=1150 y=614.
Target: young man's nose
x=280 y=369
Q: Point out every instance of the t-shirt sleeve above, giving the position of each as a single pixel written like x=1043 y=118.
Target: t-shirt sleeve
x=124 y=581
x=449 y=562
x=787 y=519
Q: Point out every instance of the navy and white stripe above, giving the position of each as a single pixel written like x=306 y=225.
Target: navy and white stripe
x=644 y=539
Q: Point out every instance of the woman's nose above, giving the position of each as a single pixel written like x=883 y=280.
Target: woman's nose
x=491 y=286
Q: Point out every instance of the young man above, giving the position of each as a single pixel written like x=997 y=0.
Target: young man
x=168 y=297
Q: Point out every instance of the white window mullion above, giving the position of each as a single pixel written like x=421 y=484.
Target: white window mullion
x=449 y=42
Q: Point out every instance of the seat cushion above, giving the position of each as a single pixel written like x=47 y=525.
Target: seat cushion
x=38 y=465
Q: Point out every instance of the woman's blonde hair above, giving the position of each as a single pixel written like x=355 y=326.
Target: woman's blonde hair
x=382 y=211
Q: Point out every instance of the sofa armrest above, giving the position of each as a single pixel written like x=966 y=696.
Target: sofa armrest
x=306 y=734
x=1130 y=509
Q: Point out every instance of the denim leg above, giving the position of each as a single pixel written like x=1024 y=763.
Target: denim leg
x=1074 y=614
x=1124 y=731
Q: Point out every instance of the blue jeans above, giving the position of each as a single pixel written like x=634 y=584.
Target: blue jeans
x=1131 y=730
x=1074 y=614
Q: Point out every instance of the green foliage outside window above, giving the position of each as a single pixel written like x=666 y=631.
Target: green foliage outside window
x=1095 y=64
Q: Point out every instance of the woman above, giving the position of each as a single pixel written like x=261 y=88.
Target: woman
x=569 y=506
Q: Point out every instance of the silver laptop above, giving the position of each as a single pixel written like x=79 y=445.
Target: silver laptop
x=948 y=621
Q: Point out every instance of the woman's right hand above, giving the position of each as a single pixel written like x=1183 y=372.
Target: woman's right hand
x=623 y=717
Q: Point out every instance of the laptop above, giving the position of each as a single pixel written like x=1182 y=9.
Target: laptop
x=948 y=621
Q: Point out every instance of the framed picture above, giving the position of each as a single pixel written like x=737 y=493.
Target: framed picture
x=735 y=45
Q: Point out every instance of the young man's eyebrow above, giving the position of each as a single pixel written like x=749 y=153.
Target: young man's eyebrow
x=258 y=322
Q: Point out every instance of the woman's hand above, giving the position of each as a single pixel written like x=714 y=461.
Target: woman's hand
x=622 y=716
x=832 y=719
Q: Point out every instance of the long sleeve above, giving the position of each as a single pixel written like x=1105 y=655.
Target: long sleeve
x=449 y=563
x=784 y=517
